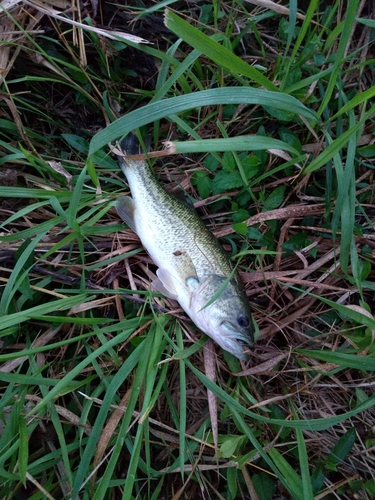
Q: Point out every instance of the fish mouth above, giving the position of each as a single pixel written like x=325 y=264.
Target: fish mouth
x=241 y=351
x=244 y=338
x=244 y=342
x=236 y=344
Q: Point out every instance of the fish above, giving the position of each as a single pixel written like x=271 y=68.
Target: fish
x=193 y=268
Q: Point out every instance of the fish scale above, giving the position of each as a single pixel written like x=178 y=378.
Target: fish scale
x=192 y=266
x=171 y=225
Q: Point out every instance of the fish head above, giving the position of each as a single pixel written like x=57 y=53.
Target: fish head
x=227 y=320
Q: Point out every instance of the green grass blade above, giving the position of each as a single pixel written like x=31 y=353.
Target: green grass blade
x=174 y=105
x=19 y=192
x=313 y=424
x=292 y=26
x=366 y=22
x=242 y=143
x=216 y=52
x=56 y=305
x=23 y=453
x=46 y=348
x=306 y=26
x=140 y=359
x=21 y=379
x=291 y=478
x=267 y=457
x=18 y=274
x=75 y=201
x=24 y=211
x=34 y=231
x=356 y=101
x=183 y=408
x=338 y=144
x=358 y=317
x=69 y=377
x=346 y=198
x=341 y=449
x=307 y=490
x=349 y=21
x=357 y=362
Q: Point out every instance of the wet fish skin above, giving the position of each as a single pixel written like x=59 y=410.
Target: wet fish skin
x=192 y=266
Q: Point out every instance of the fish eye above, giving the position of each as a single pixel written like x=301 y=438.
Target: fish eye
x=243 y=320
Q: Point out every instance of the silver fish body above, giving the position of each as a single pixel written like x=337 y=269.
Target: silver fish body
x=192 y=266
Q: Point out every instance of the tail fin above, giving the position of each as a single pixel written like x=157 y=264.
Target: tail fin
x=131 y=146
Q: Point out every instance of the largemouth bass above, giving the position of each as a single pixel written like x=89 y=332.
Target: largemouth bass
x=192 y=266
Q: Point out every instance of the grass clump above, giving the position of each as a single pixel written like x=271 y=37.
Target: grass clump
x=268 y=116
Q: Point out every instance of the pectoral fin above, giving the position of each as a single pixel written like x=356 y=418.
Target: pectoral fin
x=184 y=274
x=164 y=283
x=125 y=208
x=185 y=269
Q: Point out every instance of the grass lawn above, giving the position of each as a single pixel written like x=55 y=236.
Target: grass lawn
x=108 y=390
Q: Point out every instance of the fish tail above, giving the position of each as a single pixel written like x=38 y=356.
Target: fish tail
x=131 y=145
